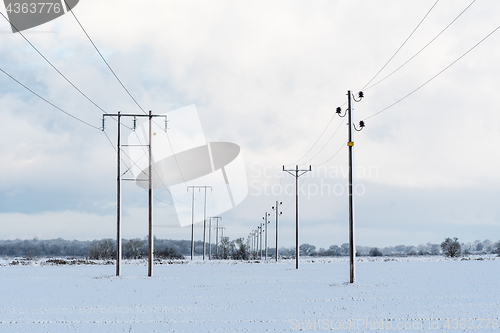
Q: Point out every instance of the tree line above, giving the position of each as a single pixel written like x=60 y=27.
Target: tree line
x=227 y=249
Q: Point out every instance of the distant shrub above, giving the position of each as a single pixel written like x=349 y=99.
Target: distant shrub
x=103 y=249
x=168 y=253
x=375 y=252
x=57 y=261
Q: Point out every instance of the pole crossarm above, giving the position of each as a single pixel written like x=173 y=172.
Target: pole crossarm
x=133 y=115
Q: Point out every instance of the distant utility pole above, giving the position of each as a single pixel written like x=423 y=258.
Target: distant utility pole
x=210 y=238
x=350 y=144
x=217 y=235
x=150 y=191
x=265 y=223
x=296 y=175
x=260 y=235
x=204 y=217
x=254 y=243
x=276 y=208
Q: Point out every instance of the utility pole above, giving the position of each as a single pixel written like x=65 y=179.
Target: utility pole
x=350 y=144
x=150 y=190
x=205 y=222
x=217 y=235
x=260 y=235
x=204 y=218
x=257 y=234
x=118 y=201
x=192 y=226
x=276 y=208
x=296 y=175
x=265 y=223
x=210 y=238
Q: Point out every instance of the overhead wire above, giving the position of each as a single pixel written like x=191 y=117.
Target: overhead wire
x=406 y=40
x=432 y=78
x=423 y=48
x=327 y=142
x=48 y=102
x=52 y=65
x=127 y=91
x=102 y=57
x=336 y=153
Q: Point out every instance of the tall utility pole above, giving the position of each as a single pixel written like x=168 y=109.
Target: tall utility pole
x=265 y=223
x=204 y=218
x=217 y=235
x=150 y=190
x=296 y=175
x=118 y=202
x=276 y=208
x=192 y=226
x=260 y=235
x=205 y=222
x=350 y=144
x=210 y=238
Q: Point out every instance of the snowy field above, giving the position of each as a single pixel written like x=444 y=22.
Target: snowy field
x=414 y=295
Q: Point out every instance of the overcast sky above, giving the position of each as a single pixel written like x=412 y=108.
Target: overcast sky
x=268 y=76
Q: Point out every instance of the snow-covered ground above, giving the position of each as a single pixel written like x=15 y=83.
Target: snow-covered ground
x=400 y=294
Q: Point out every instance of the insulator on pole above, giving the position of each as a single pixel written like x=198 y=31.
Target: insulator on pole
x=103 y=127
x=134 y=123
x=166 y=124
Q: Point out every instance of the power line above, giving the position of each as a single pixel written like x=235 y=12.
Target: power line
x=388 y=61
x=128 y=168
x=331 y=137
x=125 y=88
x=416 y=54
x=103 y=59
x=46 y=101
x=336 y=153
x=54 y=67
x=432 y=78
x=317 y=140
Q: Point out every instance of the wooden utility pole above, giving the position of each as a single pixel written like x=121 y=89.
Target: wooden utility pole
x=118 y=201
x=350 y=144
x=296 y=175
x=265 y=230
x=150 y=177
x=217 y=235
x=276 y=208
x=210 y=238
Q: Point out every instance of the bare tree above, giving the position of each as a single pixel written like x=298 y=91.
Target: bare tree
x=451 y=247
x=375 y=252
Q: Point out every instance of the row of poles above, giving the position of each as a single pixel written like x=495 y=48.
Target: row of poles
x=256 y=234
x=253 y=237
x=217 y=228
x=262 y=227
